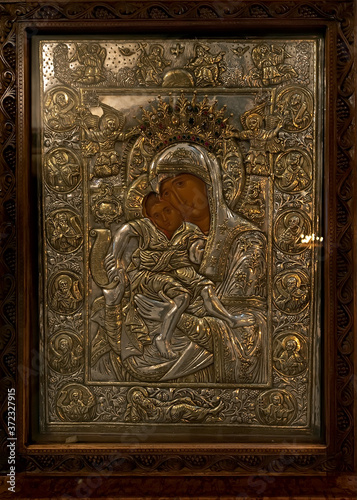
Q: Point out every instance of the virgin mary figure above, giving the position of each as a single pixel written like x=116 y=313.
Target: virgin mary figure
x=206 y=348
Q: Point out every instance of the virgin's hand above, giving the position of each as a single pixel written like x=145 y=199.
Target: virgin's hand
x=151 y=309
x=196 y=251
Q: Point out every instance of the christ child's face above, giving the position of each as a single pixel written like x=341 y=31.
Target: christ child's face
x=165 y=216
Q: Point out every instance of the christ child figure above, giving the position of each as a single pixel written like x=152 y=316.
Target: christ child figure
x=164 y=266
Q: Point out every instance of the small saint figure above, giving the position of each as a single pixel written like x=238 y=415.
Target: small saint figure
x=79 y=407
x=278 y=410
x=294 y=111
x=64 y=230
x=67 y=295
x=290 y=361
x=91 y=58
x=62 y=173
x=289 y=240
x=292 y=172
x=64 y=358
x=293 y=295
x=60 y=111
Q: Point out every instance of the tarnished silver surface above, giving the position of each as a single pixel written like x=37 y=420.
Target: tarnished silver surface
x=180 y=214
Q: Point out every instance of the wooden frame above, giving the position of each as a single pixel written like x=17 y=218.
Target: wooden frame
x=336 y=457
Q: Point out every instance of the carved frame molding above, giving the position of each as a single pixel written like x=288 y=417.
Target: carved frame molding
x=335 y=19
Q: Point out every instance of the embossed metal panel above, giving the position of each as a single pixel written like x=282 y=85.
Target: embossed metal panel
x=181 y=231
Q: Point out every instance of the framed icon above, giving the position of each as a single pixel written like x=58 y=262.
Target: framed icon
x=184 y=260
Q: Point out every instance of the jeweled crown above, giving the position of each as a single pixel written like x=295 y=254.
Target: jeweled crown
x=185 y=120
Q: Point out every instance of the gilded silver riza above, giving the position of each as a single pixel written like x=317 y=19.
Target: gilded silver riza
x=180 y=214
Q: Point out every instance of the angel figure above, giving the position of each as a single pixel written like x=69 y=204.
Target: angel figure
x=262 y=140
x=206 y=67
x=151 y=65
x=269 y=61
x=91 y=59
x=102 y=140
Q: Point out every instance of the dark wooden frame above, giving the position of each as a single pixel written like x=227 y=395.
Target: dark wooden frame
x=336 y=457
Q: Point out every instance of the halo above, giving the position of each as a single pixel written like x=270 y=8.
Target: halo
x=56 y=151
x=136 y=389
x=291 y=337
x=65 y=277
x=254 y=115
x=156 y=46
x=258 y=110
x=290 y=215
x=58 y=93
x=75 y=390
x=287 y=276
x=106 y=117
x=63 y=336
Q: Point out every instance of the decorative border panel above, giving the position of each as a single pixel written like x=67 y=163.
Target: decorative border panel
x=18 y=362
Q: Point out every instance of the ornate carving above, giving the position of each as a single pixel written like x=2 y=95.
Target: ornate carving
x=143 y=408
x=107 y=205
x=337 y=12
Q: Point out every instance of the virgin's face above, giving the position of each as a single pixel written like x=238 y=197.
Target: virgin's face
x=187 y=193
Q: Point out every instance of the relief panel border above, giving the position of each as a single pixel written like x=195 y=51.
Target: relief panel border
x=17 y=361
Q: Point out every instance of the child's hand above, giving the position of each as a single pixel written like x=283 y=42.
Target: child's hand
x=196 y=251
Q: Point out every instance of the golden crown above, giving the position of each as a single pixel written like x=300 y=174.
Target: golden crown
x=185 y=121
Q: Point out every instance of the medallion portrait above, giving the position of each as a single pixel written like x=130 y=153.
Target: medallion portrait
x=180 y=180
